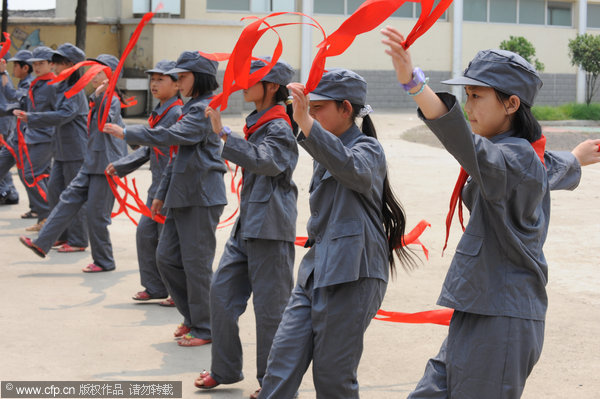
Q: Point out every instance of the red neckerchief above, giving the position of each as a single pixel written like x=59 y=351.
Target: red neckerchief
x=44 y=77
x=276 y=112
x=153 y=121
x=539 y=147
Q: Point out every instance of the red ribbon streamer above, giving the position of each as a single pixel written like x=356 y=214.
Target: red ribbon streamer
x=5 y=45
x=441 y=317
x=367 y=17
x=112 y=83
x=139 y=207
x=22 y=148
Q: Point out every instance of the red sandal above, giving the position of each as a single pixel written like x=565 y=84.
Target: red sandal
x=190 y=340
x=181 y=330
x=29 y=244
x=255 y=394
x=67 y=248
x=208 y=382
x=92 y=268
x=169 y=302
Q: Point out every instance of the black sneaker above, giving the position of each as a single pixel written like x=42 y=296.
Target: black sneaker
x=9 y=198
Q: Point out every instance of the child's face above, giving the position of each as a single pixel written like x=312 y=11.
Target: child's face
x=41 y=67
x=254 y=93
x=487 y=115
x=333 y=118
x=186 y=83
x=18 y=71
x=98 y=79
x=262 y=95
x=163 y=87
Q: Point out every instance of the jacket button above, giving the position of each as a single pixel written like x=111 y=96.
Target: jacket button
x=318 y=240
x=315 y=214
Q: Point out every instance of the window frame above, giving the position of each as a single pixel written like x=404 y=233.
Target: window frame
x=518 y=21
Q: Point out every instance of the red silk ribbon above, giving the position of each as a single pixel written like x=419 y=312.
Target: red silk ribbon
x=440 y=316
x=5 y=45
x=22 y=148
x=539 y=146
x=112 y=83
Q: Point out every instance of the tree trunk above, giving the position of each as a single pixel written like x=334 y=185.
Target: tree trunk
x=80 y=23
x=4 y=17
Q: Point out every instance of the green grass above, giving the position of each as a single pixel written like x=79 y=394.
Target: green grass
x=567 y=111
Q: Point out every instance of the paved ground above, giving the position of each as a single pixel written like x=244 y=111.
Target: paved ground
x=60 y=324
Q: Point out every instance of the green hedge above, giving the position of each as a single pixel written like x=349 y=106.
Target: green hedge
x=567 y=111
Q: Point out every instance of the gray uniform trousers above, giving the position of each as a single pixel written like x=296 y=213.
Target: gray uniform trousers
x=146 y=237
x=95 y=190
x=61 y=175
x=325 y=325
x=7 y=187
x=185 y=253
x=263 y=268
x=41 y=155
x=461 y=371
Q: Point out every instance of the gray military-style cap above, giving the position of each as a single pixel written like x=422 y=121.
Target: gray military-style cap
x=162 y=67
x=193 y=61
x=281 y=73
x=504 y=71
x=341 y=84
x=23 y=56
x=70 y=52
x=41 y=53
x=109 y=60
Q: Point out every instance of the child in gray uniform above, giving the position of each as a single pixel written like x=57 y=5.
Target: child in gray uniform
x=166 y=113
x=496 y=280
x=259 y=256
x=355 y=227
x=193 y=192
x=90 y=185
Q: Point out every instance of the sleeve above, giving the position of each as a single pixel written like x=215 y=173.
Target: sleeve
x=192 y=129
x=66 y=110
x=481 y=159
x=10 y=92
x=270 y=157
x=352 y=167
x=132 y=161
x=564 y=171
x=163 y=187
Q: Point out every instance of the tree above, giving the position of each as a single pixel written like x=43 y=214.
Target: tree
x=80 y=23
x=584 y=51
x=523 y=47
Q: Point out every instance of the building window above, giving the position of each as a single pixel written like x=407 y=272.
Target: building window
x=559 y=14
x=171 y=8
x=347 y=7
x=329 y=7
x=251 y=5
x=535 y=12
x=593 y=16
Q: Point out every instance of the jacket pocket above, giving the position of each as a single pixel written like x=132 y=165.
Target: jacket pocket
x=469 y=245
x=262 y=189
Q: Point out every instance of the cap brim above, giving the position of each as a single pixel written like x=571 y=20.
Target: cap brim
x=151 y=71
x=318 y=97
x=37 y=60
x=464 y=81
x=14 y=59
x=98 y=61
x=176 y=70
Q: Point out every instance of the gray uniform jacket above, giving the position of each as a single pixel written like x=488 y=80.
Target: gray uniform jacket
x=15 y=99
x=268 y=198
x=45 y=99
x=103 y=148
x=158 y=162
x=70 y=119
x=195 y=176
x=7 y=123
x=499 y=268
x=346 y=222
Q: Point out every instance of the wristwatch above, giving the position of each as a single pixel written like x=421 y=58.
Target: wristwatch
x=225 y=131
x=418 y=77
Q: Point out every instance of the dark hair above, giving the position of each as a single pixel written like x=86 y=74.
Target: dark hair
x=281 y=96
x=203 y=83
x=523 y=122
x=75 y=76
x=394 y=219
x=23 y=64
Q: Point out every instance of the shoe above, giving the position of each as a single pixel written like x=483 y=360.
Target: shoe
x=37 y=226
x=145 y=296
x=181 y=330
x=205 y=381
x=58 y=244
x=255 y=394
x=29 y=215
x=169 y=302
x=9 y=198
x=190 y=340
x=92 y=268
x=29 y=244
x=67 y=248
